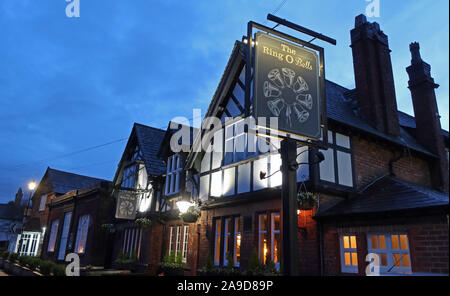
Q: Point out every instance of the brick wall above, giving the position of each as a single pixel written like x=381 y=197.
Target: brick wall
x=427 y=235
x=372 y=160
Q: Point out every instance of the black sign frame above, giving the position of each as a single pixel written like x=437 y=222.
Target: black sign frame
x=312 y=142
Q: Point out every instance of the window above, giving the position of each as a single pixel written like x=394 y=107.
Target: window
x=82 y=232
x=132 y=241
x=393 y=251
x=64 y=236
x=29 y=243
x=349 y=254
x=129 y=176
x=178 y=242
x=53 y=233
x=239 y=145
x=337 y=167
x=174 y=168
x=227 y=243
x=237 y=241
x=217 y=242
x=185 y=242
x=269 y=238
x=42 y=202
x=171 y=239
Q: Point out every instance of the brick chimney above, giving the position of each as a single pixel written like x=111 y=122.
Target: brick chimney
x=373 y=76
x=428 y=125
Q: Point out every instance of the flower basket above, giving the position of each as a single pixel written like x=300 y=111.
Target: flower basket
x=190 y=216
x=306 y=201
x=143 y=222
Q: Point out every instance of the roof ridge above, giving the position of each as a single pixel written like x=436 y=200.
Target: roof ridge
x=147 y=126
x=70 y=173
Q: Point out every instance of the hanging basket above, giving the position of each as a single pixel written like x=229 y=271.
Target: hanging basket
x=190 y=217
x=306 y=201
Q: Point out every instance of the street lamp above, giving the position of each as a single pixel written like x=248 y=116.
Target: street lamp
x=32 y=186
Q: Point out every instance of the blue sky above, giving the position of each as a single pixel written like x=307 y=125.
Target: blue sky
x=67 y=84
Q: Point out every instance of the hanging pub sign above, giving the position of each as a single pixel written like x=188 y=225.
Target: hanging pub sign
x=126 y=205
x=287 y=86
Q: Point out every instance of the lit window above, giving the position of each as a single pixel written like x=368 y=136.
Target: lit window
x=53 y=233
x=263 y=238
x=349 y=254
x=174 y=168
x=43 y=202
x=64 y=236
x=237 y=241
x=217 y=242
x=275 y=239
x=337 y=166
x=227 y=241
x=231 y=237
x=393 y=251
x=82 y=232
x=178 y=241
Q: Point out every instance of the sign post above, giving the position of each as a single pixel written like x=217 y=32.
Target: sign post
x=289 y=84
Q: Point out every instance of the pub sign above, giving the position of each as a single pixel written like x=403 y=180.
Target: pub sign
x=126 y=205
x=287 y=86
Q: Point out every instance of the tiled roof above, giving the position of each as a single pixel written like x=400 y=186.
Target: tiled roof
x=341 y=107
x=62 y=182
x=149 y=140
x=386 y=195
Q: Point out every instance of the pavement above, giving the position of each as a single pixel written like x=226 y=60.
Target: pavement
x=2 y=273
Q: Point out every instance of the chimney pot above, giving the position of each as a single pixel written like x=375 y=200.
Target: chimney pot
x=360 y=20
x=415 y=53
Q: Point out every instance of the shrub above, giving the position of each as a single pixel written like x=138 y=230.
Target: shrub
x=23 y=260
x=254 y=264
x=59 y=270
x=13 y=257
x=46 y=267
x=5 y=255
x=172 y=264
x=34 y=262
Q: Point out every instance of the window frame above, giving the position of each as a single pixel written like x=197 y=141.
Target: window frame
x=389 y=251
x=335 y=149
x=173 y=174
x=43 y=202
x=342 y=250
x=81 y=233
x=51 y=246
x=269 y=233
x=220 y=237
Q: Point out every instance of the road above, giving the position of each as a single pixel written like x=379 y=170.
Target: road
x=2 y=273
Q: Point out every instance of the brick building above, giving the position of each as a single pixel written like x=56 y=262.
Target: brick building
x=76 y=224
x=54 y=183
x=382 y=187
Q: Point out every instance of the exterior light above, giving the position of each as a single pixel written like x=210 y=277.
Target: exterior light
x=298 y=212
x=32 y=185
x=43 y=230
x=184 y=206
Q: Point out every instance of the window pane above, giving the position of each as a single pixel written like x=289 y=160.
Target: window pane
x=217 y=242
x=244 y=172
x=346 y=242
x=383 y=259
x=404 y=242
x=347 y=258
x=263 y=252
x=373 y=239
x=353 y=241
x=206 y=162
x=382 y=240
x=276 y=248
x=276 y=222
x=354 y=259
x=406 y=260
x=263 y=222
x=237 y=241
x=397 y=260
x=345 y=173
x=395 y=243
x=327 y=166
x=342 y=140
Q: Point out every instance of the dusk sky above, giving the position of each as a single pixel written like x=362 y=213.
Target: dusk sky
x=70 y=84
